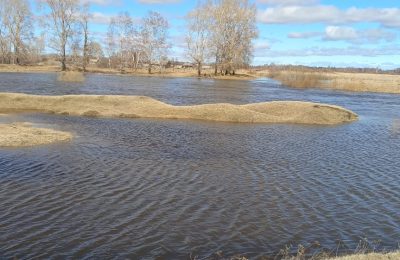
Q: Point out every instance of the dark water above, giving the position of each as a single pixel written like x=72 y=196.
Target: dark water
x=145 y=189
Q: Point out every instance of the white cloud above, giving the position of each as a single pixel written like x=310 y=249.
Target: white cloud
x=262 y=45
x=321 y=52
x=335 y=33
x=159 y=1
x=388 y=17
x=299 y=14
x=374 y=35
x=304 y=35
x=349 y=34
x=100 y=18
x=100 y=2
x=288 y=2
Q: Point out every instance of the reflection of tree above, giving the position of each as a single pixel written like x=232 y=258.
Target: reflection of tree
x=395 y=128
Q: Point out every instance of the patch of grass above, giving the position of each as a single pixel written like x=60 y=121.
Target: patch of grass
x=365 y=250
x=299 y=79
x=357 y=82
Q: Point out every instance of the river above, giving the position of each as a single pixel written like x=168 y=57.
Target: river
x=171 y=189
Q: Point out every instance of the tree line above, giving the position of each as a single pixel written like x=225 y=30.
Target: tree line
x=218 y=32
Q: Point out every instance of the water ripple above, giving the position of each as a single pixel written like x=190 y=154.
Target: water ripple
x=167 y=189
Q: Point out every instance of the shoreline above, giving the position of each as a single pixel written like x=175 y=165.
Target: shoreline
x=337 y=81
x=25 y=135
x=370 y=256
x=289 y=112
x=129 y=73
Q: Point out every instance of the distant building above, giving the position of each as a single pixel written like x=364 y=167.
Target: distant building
x=187 y=66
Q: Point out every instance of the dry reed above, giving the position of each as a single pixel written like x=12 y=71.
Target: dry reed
x=357 y=82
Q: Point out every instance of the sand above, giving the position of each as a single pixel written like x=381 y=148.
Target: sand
x=295 y=112
x=24 y=135
x=374 y=256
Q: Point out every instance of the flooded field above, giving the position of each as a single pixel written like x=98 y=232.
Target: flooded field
x=167 y=189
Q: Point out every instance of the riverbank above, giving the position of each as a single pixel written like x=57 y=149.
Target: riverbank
x=25 y=135
x=355 y=82
x=167 y=73
x=294 y=112
x=5 y=68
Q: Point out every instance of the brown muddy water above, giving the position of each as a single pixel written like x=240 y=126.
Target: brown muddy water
x=146 y=189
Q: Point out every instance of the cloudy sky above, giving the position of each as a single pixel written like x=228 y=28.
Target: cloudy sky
x=361 y=33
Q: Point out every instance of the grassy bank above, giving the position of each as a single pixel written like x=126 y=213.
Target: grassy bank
x=26 y=69
x=145 y=107
x=357 y=82
x=372 y=256
x=167 y=73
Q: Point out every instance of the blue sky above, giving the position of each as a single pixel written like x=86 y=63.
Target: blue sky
x=361 y=33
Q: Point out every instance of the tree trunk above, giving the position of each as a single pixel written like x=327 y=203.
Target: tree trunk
x=135 y=61
x=63 y=59
x=16 y=53
x=63 y=65
x=199 y=66
x=150 y=68
x=85 y=58
x=216 y=64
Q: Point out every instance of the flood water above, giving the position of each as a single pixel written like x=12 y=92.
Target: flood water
x=169 y=189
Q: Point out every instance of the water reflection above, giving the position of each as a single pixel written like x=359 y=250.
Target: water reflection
x=395 y=127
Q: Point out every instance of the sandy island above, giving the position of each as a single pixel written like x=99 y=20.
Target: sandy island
x=144 y=107
x=24 y=135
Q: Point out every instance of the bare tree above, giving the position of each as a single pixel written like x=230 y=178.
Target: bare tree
x=121 y=30
x=4 y=42
x=197 y=38
x=154 y=38
x=84 y=23
x=4 y=45
x=110 y=42
x=17 y=20
x=37 y=48
x=234 y=28
x=61 y=21
x=95 y=51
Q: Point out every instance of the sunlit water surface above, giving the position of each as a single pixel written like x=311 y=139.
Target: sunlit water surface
x=144 y=189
